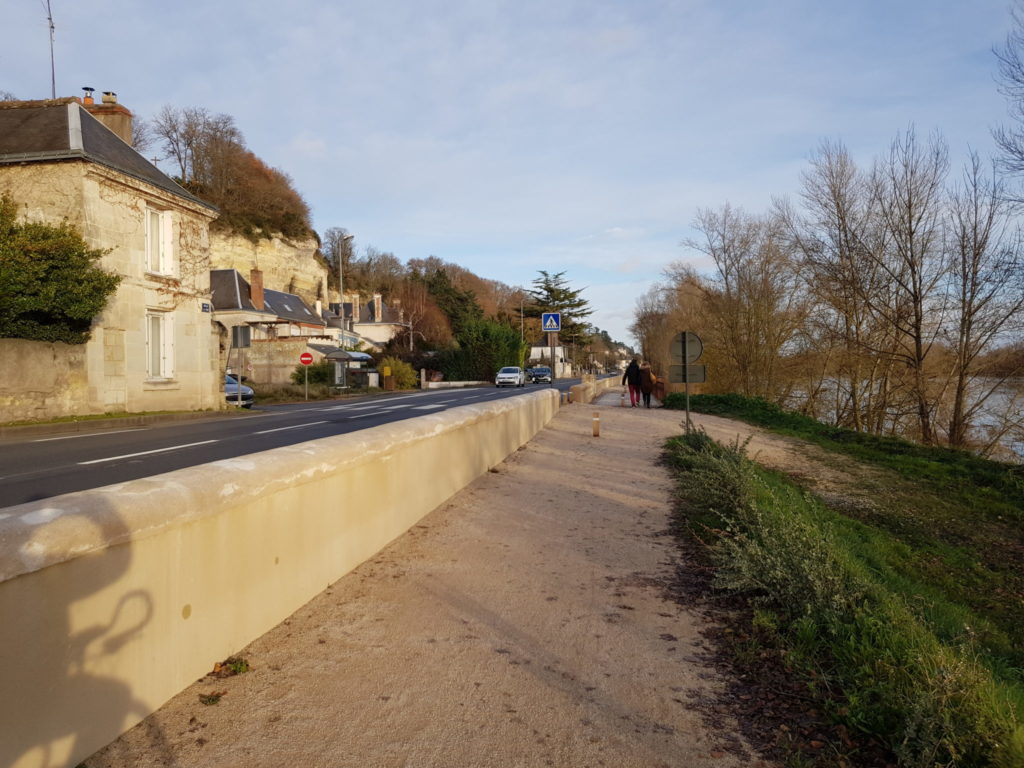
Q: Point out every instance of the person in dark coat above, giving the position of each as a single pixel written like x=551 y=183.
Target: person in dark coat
x=632 y=378
x=647 y=382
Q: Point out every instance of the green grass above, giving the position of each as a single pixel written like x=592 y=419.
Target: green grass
x=911 y=631
x=988 y=486
x=958 y=519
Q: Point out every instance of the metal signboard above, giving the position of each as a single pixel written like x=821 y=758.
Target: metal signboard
x=306 y=358
x=241 y=336
x=694 y=347
x=551 y=321
x=695 y=374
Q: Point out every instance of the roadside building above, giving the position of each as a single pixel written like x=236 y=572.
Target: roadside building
x=154 y=346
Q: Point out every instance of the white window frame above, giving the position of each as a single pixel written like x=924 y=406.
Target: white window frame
x=159 y=242
x=159 y=351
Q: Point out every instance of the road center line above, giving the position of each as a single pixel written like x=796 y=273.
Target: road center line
x=144 y=453
x=426 y=407
x=293 y=426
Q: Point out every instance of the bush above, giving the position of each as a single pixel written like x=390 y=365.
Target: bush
x=321 y=372
x=403 y=374
x=51 y=287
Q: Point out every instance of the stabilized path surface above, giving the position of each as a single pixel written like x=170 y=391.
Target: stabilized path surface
x=524 y=623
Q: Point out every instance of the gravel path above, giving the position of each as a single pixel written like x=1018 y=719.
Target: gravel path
x=524 y=623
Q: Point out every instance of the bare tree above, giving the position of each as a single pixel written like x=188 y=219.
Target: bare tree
x=375 y=272
x=143 y=137
x=1011 y=84
x=337 y=250
x=987 y=289
x=907 y=187
x=835 y=235
x=755 y=301
x=426 y=321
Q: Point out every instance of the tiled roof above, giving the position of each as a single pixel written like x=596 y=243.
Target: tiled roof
x=58 y=130
x=231 y=291
x=288 y=306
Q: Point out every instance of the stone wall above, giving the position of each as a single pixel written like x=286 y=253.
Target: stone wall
x=288 y=266
x=124 y=595
x=271 y=362
x=41 y=381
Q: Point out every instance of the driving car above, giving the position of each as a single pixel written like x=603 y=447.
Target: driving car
x=510 y=376
x=540 y=374
x=231 y=392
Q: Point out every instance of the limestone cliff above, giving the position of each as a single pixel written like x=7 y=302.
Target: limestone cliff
x=287 y=265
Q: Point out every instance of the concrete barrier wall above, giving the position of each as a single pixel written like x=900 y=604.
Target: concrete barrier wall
x=114 y=600
x=591 y=388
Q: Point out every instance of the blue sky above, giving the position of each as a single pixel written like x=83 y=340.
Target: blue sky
x=512 y=137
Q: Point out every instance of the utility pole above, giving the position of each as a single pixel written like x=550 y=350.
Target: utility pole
x=53 y=70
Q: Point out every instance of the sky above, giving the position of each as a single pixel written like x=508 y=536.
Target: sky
x=510 y=137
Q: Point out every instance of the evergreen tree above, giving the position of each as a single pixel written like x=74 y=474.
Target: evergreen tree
x=459 y=306
x=50 y=285
x=551 y=293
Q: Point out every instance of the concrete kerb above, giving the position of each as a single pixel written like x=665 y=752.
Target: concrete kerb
x=125 y=595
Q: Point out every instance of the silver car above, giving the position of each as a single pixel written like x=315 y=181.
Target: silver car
x=510 y=376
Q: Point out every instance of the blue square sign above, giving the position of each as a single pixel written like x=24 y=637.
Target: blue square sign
x=551 y=321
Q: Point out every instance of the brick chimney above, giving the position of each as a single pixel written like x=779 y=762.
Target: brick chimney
x=256 y=288
x=111 y=114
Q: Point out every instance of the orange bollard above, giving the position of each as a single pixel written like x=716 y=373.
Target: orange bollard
x=597 y=423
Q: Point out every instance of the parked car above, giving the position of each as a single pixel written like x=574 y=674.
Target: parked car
x=510 y=376
x=540 y=374
x=231 y=392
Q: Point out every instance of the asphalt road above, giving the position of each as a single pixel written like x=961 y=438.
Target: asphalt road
x=40 y=467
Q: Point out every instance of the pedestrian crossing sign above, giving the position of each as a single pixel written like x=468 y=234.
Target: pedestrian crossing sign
x=551 y=321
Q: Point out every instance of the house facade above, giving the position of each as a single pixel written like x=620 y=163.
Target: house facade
x=154 y=346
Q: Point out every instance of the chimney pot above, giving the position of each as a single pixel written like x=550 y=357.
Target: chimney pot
x=109 y=97
x=88 y=95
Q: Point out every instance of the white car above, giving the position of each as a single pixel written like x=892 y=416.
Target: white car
x=510 y=376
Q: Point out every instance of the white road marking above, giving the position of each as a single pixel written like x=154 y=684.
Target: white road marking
x=293 y=426
x=144 y=453
x=89 y=434
x=426 y=407
x=364 y=415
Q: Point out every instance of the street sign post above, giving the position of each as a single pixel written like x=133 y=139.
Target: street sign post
x=307 y=360
x=551 y=322
x=686 y=349
x=694 y=347
x=687 y=374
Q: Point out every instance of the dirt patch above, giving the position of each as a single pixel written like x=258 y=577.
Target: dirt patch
x=527 y=622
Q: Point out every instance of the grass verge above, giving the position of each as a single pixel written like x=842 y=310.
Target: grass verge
x=989 y=487
x=901 y=658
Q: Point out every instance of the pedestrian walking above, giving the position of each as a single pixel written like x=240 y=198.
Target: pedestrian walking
x=647 y=382
x=632 y=378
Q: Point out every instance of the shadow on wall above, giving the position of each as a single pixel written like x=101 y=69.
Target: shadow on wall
x=60 y=628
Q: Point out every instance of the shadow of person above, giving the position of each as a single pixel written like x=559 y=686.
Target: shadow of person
x=69 y=618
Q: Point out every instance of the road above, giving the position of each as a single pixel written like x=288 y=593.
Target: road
x=41 y=467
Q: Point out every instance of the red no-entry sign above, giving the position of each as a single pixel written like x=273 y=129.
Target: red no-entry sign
x=306 y=358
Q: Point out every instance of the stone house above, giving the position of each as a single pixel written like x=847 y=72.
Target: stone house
x=374 y=321
x=154 y=346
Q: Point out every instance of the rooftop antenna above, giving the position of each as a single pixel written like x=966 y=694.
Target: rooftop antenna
x=53 y=71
